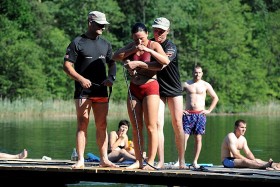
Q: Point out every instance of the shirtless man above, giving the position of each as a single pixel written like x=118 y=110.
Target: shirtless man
x=21 y=155
x=194 y=117
x=236 y=141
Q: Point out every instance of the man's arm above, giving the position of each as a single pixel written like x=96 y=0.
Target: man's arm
x=125 y=52
x=247 y=151
x=170 y=51
x=112 y=70
x=154 y=65
x=214 y=97
x=70 y=71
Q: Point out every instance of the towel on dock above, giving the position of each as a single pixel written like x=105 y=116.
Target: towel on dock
x=202 y=164
x=189 y=164
x=92 y=158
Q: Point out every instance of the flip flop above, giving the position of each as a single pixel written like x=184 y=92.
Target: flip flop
x=194 y=166
x=200 y=168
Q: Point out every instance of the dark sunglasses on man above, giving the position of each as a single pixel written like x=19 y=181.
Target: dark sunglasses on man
x=98 y=25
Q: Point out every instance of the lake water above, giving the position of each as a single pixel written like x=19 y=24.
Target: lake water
x=55 y=138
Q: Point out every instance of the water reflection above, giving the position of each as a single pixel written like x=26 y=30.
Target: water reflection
x=56 y=138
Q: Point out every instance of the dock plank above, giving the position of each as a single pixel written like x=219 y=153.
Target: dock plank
x=60 y=173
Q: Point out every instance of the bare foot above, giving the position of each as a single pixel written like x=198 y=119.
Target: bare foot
x=195 y=166
x=182 y=166
x=23 y=154
x=176 y=164
x=107 y=163
x=159 y=165
x=275 y=166
x=148 y=167
x=79 y=165
x=135 y=165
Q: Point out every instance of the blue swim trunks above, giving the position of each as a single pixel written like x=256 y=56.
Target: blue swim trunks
x=194 y=123
x=228 y=162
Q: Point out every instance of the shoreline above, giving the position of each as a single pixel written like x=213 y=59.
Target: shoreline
x=58 y=116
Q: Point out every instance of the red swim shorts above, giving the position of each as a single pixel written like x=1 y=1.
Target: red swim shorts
x=141 y=91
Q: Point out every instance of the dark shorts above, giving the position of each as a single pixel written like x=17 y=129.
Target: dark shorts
x=97 y=94
x=141 y=91
x=194 y=123
x=228 y=162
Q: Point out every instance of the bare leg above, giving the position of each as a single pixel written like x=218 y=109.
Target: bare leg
x=150 y=108
x=186 y=141
x=23 y=154
x=134 y=109
x=177 y=164
x=160 y=125
x=100 y=111
x=175 y=105
x=254 y=164
x=126 y=155
x=114 y=156
x=197 y=149
x=83 y=107
x=120 y=156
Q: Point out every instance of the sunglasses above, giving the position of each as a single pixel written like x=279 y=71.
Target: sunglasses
x=99 y=25
x=159 y=31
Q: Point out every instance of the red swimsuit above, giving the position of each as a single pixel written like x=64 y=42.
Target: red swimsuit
x=145 y=57
x=150 y=88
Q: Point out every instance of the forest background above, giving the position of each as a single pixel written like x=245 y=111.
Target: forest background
x=237 y=42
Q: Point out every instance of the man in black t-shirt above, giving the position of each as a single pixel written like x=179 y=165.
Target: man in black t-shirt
x=170 y=91
x=85 y=61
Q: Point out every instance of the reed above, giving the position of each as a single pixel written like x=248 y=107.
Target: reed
x=271 y=108
x=59 y=108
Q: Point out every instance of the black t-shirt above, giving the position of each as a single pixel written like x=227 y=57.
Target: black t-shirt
x=90 y=57
x=169 y=77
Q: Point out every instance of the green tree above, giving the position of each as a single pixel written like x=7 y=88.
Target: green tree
x=236 y=42
x=21 y=65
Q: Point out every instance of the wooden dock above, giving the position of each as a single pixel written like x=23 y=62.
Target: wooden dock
x=36 y=172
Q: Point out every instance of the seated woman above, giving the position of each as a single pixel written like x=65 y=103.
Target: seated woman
x=119 y=150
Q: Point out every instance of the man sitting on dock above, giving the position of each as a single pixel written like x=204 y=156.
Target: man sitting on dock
x=21 y=155
x=236 y=141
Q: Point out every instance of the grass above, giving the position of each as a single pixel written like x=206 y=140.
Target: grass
x=59 y=108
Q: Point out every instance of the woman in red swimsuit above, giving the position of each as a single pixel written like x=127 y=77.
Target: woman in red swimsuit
x=144 y=89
